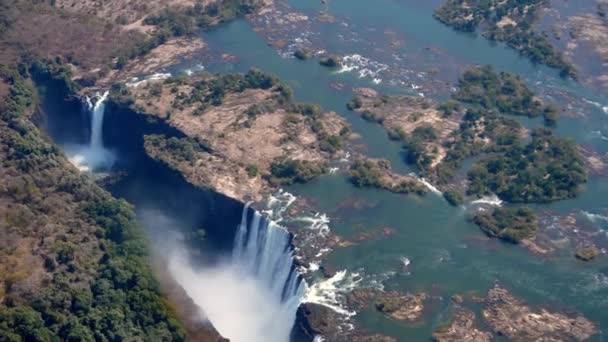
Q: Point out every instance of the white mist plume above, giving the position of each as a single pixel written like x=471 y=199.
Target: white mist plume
x=253 y=296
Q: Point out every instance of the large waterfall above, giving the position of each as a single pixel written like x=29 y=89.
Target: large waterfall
x=94 y=156
x=254 y=295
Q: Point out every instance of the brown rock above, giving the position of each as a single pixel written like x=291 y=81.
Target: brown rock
x=512 y=318
x=401 y=306
x=461 y=329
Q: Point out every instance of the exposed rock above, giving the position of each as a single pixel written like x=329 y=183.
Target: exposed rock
x=462 y=328
x=458 y=299
x=587 y=253
x=512 y=318
x=401 y=306
x=321 y=319
x=332 y=61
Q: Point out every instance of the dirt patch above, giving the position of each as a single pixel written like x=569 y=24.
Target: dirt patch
x=241 y=141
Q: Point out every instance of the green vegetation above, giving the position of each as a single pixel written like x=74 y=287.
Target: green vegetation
x=415 y=144
x=95 y=284
x=182 y=149
x=180 y=21
x=453 y=197
x=509 y=224
x=507 y=21
x=303 y=54
x=377 y=174
x=252 y=171
x=370 y=116
x=184 y=21
x=547 y=169
x=504 y=93
x=290 y=171
x=449 y=108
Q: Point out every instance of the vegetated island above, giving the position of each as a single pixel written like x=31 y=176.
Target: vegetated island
x=517 y=165
x=245 y=134
x=511 y=22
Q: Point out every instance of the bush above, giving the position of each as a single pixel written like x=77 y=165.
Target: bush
x=290 y=171
x=453 y=197
x=545 y=170
x=354 y=103
x=509 y=224
x=252 y=171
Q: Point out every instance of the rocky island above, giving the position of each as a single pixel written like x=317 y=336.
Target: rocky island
x=245 y=134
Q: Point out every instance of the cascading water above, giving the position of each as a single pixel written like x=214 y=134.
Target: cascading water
x=94 y=156
x=255 y=294
x=98 y=110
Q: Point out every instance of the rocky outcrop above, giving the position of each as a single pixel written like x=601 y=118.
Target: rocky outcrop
x=461 y=328
x=510 y=317
x=245 y=136
x=587 y=253
x=401 y=306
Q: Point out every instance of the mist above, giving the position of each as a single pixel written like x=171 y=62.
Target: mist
x=249 y=294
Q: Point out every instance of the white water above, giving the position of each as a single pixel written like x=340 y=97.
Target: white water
x=93 y=156
x=492 y=200
x=255 y=294
x=330 y=292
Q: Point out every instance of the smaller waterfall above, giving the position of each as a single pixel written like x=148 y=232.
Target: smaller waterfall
x=94 y=156
x=97 y=113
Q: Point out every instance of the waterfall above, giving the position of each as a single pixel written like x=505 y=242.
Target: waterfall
x=97 y=113
x=264 y=251
x=254 y=295
x=94 y=156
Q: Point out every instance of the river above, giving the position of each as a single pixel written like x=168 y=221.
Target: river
x=448 y=254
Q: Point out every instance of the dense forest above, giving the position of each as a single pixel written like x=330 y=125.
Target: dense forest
x=75 y=264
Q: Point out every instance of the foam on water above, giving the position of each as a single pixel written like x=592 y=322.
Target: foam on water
x=364 y=67
x=596 y=219
x=492 y=200
x=428 y=185
x=330 y=292
x=136 y=82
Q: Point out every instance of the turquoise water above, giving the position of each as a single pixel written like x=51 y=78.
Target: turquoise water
x=449 y=255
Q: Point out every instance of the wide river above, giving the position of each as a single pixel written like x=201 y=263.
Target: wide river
x=448 y=254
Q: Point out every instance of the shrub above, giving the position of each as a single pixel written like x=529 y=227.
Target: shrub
x=509 y=224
